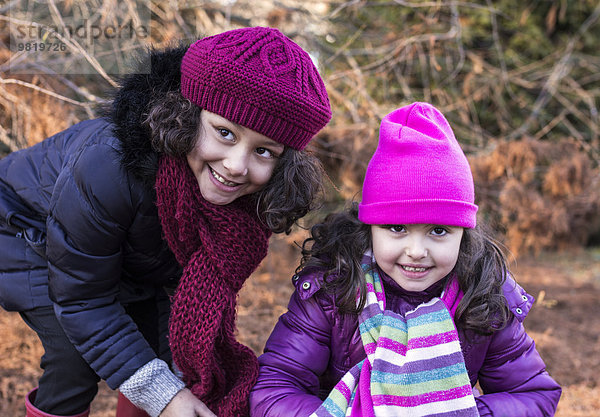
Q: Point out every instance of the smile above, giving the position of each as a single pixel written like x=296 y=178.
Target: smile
x=222 y=180
x=414 y=268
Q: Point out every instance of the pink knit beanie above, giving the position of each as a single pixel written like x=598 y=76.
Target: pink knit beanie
x=260 y=79
x=418 y=174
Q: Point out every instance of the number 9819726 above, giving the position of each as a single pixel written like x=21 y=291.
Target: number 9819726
x=41 y=46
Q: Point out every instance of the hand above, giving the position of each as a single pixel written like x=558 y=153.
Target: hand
x=186 y=404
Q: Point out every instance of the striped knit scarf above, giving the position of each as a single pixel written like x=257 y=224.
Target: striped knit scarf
x=218 y=247
x=414 y=365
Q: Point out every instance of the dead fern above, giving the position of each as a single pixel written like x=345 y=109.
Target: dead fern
x=540 y=195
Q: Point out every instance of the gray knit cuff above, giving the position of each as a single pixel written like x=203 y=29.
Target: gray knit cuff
x=152 y=387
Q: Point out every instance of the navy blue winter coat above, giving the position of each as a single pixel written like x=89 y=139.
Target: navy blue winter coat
x=79 y=228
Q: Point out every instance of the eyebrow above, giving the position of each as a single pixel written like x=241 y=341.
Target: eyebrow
x=276 y=144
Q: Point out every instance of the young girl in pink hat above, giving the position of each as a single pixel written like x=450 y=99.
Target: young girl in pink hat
x=402 y=303
x=163 y=207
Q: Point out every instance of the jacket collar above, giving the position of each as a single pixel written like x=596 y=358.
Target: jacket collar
x=308 y=282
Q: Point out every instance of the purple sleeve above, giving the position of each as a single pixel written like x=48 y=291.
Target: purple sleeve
x=514 y=378
x=296 y=353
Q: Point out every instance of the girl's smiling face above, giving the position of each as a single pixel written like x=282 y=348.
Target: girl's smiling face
x=416 y=256
x=230 y=160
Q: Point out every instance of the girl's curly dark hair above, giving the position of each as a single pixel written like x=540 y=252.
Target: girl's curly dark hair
x=294 y=188
x=337 y=246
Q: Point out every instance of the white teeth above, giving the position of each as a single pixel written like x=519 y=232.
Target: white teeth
x=413 y=269
x=222 y=180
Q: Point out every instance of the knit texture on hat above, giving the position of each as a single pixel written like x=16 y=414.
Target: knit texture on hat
x=260 y=79
x=418 y=174
x=218 y=247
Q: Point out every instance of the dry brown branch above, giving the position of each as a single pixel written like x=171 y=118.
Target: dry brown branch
x=549 y=126
x=559 y=71
x=43 y=90
x=372 y=106
x=6 y=140
x=461 y=50
x=592 y=151
x=574 y=110
x=342 y=6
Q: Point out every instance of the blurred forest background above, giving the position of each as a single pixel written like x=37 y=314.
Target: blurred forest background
x=519 y=81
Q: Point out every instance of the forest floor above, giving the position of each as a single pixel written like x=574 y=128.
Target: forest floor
x=564 y=322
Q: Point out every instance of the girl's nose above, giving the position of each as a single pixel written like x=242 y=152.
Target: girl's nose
x=415 y=248
x=236 y=163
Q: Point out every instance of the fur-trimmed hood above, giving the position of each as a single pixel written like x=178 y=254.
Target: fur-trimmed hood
x=130 y=106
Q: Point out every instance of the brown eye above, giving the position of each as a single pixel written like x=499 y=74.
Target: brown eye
x=439 y=231
x=397 y=228
x=226 y=134
x=265 y=153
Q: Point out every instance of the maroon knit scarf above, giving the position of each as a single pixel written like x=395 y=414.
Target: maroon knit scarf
x=218 y=247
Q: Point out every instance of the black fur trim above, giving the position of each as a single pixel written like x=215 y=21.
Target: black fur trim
x=130 y=106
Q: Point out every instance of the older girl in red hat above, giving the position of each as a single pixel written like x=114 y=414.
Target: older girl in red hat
x=169 y=199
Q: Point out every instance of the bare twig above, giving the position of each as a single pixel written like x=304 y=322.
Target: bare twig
x=461 y=50
x=549 y=126
x=500 y=52
x=8 y=6
x=42 y=90
x=489 y=8
x=6 y=140
x=560 y=70
x=342 y=6
x=594 y=153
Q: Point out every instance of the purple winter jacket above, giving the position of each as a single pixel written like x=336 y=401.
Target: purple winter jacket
x=313 y=346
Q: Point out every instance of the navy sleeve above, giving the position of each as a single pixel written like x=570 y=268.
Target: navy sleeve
x=89 y=215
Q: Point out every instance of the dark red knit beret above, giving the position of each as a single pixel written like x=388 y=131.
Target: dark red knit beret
x=260 y=79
